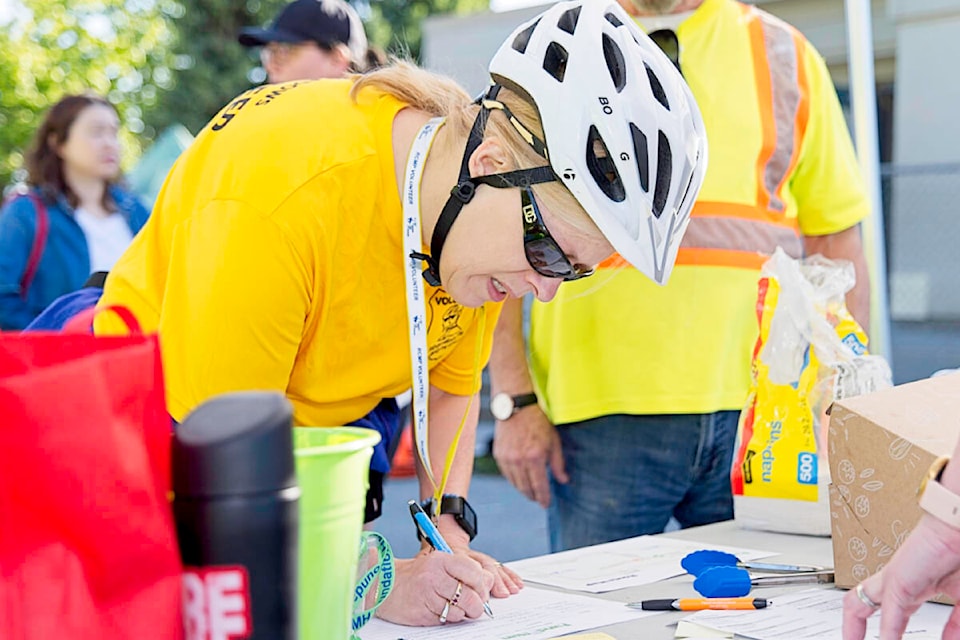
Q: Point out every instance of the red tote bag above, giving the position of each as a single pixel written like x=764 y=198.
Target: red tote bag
x=87 y=541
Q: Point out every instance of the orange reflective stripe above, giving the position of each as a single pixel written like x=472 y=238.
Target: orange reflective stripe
x=701 y=257
x=731 y=235
x=744 y=212
x=743 y=235
x=761 y=70
x=783 y=98
x=803 y=109
x=721 y=258
x=739 y=235
x=615 y=261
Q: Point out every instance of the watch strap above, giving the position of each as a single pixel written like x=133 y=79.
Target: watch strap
x=941 y=503
x=523 y=400
x=459 y=508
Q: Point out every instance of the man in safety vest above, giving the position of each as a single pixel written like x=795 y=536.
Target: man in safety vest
x=639 y=387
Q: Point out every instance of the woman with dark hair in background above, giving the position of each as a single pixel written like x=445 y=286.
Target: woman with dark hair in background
x=74 y=220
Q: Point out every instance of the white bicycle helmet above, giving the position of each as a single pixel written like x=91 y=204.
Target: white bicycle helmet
x=599 y=83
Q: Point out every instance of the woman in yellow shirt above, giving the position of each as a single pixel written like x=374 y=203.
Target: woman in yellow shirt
x=284 y=251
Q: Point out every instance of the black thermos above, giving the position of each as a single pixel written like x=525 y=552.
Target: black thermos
x=236 y=509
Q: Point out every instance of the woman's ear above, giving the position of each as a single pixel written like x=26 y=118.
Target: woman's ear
x=52 y=143
x=490 y=158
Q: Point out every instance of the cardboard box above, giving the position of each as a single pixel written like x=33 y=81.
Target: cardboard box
x=880 y=446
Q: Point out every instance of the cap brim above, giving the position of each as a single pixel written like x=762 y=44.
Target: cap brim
x=256 y=37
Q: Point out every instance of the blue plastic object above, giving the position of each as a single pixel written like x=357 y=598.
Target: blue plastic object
x=696 y=562
x=723 y=582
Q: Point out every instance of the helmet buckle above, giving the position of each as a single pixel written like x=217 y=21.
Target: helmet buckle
x=464 y=192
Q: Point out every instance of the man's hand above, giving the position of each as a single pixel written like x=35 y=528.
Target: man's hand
x=523 y=446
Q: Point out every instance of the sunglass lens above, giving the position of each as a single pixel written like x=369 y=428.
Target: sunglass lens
x=547 y=258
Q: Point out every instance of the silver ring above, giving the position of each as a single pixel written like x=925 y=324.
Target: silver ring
x=456 y=596
x=443 y=614
x=864 y=598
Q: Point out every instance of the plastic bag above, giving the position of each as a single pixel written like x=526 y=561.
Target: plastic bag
x=810 y=351
x=88 y=548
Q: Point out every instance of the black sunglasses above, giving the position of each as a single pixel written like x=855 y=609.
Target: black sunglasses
x=667 y=40
x=542 y=251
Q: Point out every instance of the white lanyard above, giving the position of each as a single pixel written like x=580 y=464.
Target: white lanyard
x=416 y=303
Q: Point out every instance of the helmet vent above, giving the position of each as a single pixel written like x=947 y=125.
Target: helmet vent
x=568 y=21
x=523 y=38
x=602 y=167
x=614 y=20
x=657 y=88
x=642 y=157
x=688 y=179
x=555 y=61
x=616 y=65
x=664 y=169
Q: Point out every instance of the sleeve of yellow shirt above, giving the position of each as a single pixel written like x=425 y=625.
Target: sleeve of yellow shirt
x=234 y=305
x=830 y=191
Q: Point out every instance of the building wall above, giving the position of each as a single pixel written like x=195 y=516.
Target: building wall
x=461 y=46
x=925 y=187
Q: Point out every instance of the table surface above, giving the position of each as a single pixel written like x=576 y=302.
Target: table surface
x=792 y=549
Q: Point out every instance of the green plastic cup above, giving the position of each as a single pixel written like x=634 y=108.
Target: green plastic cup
x=332 y=470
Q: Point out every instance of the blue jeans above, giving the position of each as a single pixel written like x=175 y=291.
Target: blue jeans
x=630 y=474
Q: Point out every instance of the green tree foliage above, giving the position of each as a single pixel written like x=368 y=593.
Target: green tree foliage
x=216 y=68
x=213 y=66
x=49 y=48
x=395 y=24
x=159 y=61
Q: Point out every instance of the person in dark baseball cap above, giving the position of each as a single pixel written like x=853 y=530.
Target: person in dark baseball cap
x=310 y=39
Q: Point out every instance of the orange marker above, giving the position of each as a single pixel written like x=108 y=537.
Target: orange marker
x=698 y=604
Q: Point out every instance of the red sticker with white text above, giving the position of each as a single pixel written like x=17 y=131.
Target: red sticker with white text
x=216 y=603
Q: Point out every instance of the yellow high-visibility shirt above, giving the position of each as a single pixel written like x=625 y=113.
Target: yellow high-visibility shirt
x=273 y=260
x=781 y=165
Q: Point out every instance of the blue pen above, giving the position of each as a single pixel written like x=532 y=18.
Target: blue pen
x=429 y=531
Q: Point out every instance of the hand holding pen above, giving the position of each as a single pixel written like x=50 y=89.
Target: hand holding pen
x=431 y=533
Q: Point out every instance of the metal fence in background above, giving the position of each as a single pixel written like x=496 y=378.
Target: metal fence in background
x=922 y=235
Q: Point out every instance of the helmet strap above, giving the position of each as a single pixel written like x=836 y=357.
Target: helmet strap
x=466 y=188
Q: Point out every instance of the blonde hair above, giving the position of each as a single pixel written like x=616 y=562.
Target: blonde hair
x=441 y=96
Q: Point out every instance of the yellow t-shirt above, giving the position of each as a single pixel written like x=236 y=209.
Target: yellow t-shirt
x=617 y=342
x=273 y=260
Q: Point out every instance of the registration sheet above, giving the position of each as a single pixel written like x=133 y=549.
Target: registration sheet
x=814 y=613
x=617 y=565
x=532 y=614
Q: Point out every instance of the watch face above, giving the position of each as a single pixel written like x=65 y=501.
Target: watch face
x=501 y=406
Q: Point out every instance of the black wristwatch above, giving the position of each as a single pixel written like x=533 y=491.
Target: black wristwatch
x=459 y=508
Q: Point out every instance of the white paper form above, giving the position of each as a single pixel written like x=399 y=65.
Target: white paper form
x=617 y=565
x=814 y=613
x=532 y=614
x=691 y=631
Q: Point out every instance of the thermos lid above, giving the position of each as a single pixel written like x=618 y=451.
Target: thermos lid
x=235 y=444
